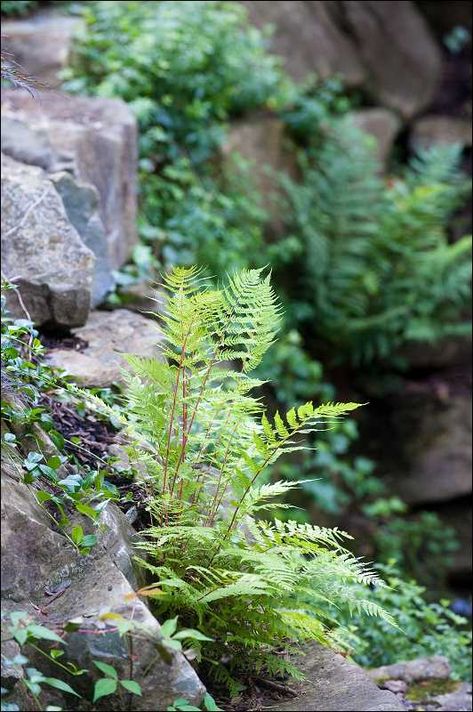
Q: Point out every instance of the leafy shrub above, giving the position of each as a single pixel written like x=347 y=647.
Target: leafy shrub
x=424 y=628
x=204 y=443
x=18 y=7
x=379 y=271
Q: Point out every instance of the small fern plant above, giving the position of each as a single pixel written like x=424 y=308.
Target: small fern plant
x=202 y=445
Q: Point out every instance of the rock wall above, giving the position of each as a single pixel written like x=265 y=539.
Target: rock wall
x=87 y=150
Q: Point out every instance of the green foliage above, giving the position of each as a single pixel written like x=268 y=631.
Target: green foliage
x=30 y=635
x=15 y=8
x=203 y=444
x=425 y=629
x=208 y=703
x=58 y=481
x=378 y=278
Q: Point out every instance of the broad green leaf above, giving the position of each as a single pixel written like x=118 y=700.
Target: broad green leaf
x=42 y=633
x=190 y=633
x=77 y=534
x=131 y=686
x=169 y=627
x=60 y=685
x=105 y=686
x=106 y=669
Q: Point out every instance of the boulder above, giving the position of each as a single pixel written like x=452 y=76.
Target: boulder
x=261 y=141
x=41 y=45
x=383 y=125
x=401 y=58
x=42 y=250
x=38 y=559
x=386 y=48
x=433 y=668
x=440 y=130
x=334 y=684
x=93 y=139
x=81 y=201
x=108 y=335
x=309 y=40
x=434 y=459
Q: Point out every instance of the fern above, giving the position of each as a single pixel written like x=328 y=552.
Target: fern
x=379 y=269
x=202 y=443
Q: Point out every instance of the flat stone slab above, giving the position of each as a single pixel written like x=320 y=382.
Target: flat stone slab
x=106 y=337
x=335 y=685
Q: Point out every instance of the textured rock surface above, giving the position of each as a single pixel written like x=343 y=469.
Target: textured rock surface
x=108 y=335
x=42 y=249
x=384 y=47
x=41 y=45
x=437 y=130
x=383 y=125
x=436 y=667
x=81 y=201
x=36 y=557
x=333 y=684
x=94 y=140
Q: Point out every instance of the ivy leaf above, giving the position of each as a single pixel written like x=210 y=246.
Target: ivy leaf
x=60 y=685
x=131 y=686
x=106 y=669
x=209 y=703
x=105 y=686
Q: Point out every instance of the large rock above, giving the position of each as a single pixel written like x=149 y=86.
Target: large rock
x=308 y=39
x=440 y=130
x=38 y=559
x=42 y=250
x=384 y=47
x=332 y=684
x=383 y=125
x=41 y=45
x=94 y=140
x=436 y=667
x=108 y=335
x=434 y=459
x=261 y=141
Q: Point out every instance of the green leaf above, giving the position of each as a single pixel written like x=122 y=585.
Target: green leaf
x=169 y=627
x=209 y=703
x=54 y=462
x=88 y=541
x=190 y=633
x=60 y=685
x=105 y=686
x=87 y=510
x=55 y=653
x=77 y=534
x=131 y=686
x=42 y=633
x=106 y=669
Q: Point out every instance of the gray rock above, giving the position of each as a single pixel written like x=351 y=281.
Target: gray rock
x=459 y=700
x=434 y=668
x=435 y=436
x=261 y=141
x=108 y=335
x=333 y=684
x=81 y=203
x=94 y=139
x=383 y=125
x=308 y=39
x=41 y=249
x=35 y=557
x=384 y=47
x=401 y=58
x=41 y=45
x=440 y=130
